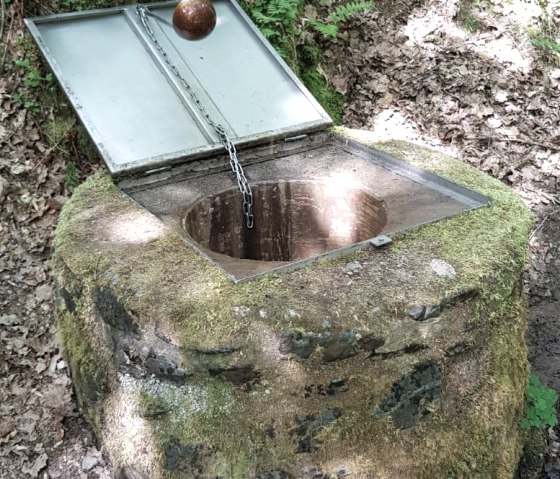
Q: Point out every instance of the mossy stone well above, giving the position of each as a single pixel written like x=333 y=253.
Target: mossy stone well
x=374 y=365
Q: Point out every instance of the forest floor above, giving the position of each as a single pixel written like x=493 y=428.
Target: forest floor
x=477 y=79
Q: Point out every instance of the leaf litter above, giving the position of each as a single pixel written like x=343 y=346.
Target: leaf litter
x=461 y=77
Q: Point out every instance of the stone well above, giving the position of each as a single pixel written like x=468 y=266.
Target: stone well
x=404 y=362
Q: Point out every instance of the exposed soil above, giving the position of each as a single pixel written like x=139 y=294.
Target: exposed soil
x=544 y=302
x=543 y=334
x=475 y=79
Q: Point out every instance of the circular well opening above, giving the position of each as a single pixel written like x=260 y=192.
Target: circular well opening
x=293 y=220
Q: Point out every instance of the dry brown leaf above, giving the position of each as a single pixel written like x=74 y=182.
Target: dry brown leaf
x=340 y=84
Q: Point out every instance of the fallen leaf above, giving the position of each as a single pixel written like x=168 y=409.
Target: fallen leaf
x=43 y=293
x=9 y=320
x=494 y=122
x=3 y=188
x=38 y=465
x=340 y=84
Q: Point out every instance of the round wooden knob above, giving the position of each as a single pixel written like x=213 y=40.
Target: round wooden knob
x=194 y=19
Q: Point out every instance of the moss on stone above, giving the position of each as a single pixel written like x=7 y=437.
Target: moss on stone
x=83 y=348
x=310 y=58
x=326 y=95
x=533 y=456
x=471 y=432
x=89 y=373
x=204 y=412
x=476 y=238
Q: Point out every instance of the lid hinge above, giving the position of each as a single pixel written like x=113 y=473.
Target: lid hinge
x=295 y=138
x=157 y=170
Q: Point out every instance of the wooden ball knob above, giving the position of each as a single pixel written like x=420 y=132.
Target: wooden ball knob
x=194 y=19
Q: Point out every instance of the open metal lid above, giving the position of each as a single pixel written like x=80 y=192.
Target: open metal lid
x=136 y=110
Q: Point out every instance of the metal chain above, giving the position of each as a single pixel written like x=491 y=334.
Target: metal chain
x=242 y=182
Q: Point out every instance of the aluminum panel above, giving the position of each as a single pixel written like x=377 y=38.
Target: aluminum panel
x=119 y=90
x=138 y=113
x=244 y=79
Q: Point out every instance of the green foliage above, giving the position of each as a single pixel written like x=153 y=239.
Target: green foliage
x=471 y=24
x=341 y=14
x=471 y=14
x=80 y=5
x=284 y=22
x=279 y=22
x=545 y=44
x=289 y=24
x=545 y=36
x=539 y=405
x=332 y=101
x=75 y=5
x=30 y=105
x=345 y=12
x=327 y=29
x=71 y=180
x=33 y=78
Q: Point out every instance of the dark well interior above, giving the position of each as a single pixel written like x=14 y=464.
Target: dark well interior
x=319 y=198
x=293 y=220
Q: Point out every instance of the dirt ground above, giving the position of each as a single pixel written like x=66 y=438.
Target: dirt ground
x=479 y=80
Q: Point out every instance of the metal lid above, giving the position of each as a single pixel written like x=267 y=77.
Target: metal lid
x=137 y=111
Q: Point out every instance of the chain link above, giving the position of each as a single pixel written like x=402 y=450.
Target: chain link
x=242 y=182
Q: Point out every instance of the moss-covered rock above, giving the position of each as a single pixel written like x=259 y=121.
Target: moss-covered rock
x=312 y=373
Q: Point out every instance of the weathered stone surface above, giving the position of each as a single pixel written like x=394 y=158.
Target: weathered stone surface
x=307 y=428
x=421 y=313
x=276 y=474
x=300 y=344
x=185 y=374
x=412 y=396
x=335 y=386
x=417 y=313
x=532 y=460
x=129 y=472
x=112 y=311
x=443 y=268
x=187 y=458
x=334 y=347
x=91 y=459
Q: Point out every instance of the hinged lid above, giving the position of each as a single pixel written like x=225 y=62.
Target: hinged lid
x=138 y=113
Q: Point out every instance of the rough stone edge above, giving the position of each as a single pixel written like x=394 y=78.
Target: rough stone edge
x=435 y=226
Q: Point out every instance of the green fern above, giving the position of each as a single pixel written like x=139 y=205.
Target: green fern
x=285 y=25
x=260 y=18
x=344 y=12
x=284 y=10
x=269 y=34
x=327 y=29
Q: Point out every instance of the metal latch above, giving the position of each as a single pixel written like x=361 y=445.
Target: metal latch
x=380 y=241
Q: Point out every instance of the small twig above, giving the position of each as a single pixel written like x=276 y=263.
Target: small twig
x=2 y=18
x=524 y=161
x=5 y=43
x=514 y=140
x=535 y=231
x=56 y=146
